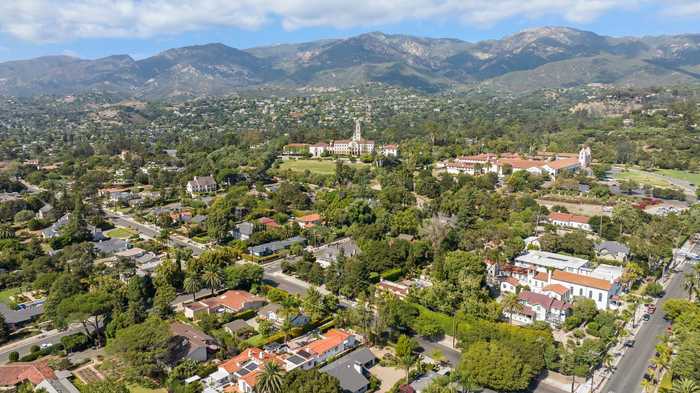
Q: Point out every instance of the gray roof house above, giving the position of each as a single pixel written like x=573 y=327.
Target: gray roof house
x=55 y=228
x=237 y=326
x=351 y=370
x=329 y=253
x=15 y=318
x=111 y=246
x=274 y=247
x=612 y=250
x=189 y=342
x=273 y=313
x=243 y=231
x=45 y=211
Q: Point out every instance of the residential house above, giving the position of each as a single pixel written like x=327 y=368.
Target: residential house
x=539 y=307
x=240 y=374
x=399 y=290
x=45 y=212
x=309 y=220
x=237 y=327
x=270 y=248
x=24 y=314
x=351 y=370
x=201 y=184
x=510 y=285
x=332 y=343
x=55 y=229
x=613 y=250
x=390 y=150
x=39 y=374
x=232 y=301
x=111 y=246
x=190 y=343
x=243 y=231
x=328 y=254
x=567 y=220
x=269 y=223
x=274 y=313
x=115 y=194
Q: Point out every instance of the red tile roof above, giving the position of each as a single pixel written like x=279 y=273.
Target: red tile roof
x=330 y=340
x=310 y=218
x=579 y=279
x=512 y=281
x=541 y=276
x=556 y=288
x=34 y=372
x=566 y=217
x=563 y=163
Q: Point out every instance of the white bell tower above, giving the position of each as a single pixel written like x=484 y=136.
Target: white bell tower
x=357 y=135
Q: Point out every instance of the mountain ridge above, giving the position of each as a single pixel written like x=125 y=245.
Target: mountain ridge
x=544 y=57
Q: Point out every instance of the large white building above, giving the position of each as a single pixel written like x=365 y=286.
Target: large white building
x=349 y=147
x=552 y=164
x=542 y=261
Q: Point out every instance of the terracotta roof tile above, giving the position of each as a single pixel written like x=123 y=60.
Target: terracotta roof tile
x=579 y=279
x=566 y=217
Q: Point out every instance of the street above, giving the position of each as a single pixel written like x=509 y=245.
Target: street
x=631 y=369
x=23 y=346
x=152 y=231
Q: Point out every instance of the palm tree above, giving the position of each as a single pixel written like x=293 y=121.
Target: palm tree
x=511 y=304
x=647 y=385
x=212 y=278
x=685 y=386
x=270 y=379
x=690 y=284
x=192 y=285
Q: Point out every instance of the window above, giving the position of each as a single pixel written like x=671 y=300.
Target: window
x=590 y=294
x=580 y=291
x=600 y=297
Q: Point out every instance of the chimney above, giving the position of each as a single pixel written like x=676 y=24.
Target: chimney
x=549 y=276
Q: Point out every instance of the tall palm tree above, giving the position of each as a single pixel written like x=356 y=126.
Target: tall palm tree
x=685 y=386
x=192 y=285
x=511 y=304
x=270 y=379
x=647 y=385
x=213 y=279
x=691 y=284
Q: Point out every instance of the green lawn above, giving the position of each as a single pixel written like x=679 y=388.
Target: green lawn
x=120 y=233
x=6 y=293
x=681 y=175
x=325 y=167
x=643 y=178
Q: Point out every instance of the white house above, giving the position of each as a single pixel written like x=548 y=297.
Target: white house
x=567 y=220
x=201 y=184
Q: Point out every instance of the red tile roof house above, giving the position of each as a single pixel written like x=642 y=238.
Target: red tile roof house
x=333 y=342
x=240 y=373
x=510 y=285
x=570 y=221
x=395 y=288
x=309 y=221
x=37 y=373
x=232 y=301
x=269 y=223
x=545 y=308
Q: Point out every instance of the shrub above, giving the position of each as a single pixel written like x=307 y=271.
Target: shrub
x=14 y=356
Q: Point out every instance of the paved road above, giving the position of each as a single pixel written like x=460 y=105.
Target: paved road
x=152 y=231
x=631 y=369
x=23 y=346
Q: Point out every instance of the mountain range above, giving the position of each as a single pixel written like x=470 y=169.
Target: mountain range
x=547 y=57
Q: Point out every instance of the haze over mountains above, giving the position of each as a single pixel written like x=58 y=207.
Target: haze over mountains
x=546 y=57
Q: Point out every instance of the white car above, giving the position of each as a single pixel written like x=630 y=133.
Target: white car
x=46 y=345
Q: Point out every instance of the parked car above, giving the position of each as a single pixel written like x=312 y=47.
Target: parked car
x=629 y=343
x=646 y=317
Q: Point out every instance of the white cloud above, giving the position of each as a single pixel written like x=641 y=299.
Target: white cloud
x=683 y=8
x=53 y=20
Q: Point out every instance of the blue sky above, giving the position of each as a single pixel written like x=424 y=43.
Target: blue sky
x=140 y=28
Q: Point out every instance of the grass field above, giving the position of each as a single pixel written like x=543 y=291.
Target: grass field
x=6 y=293
x=643 y=178
x=120 y=233
x=681 y=175
x=326 y=167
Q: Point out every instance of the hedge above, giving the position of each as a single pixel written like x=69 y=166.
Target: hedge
x=392 y=274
